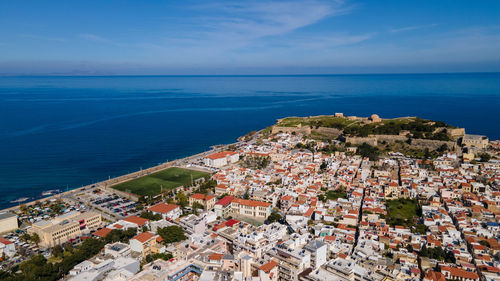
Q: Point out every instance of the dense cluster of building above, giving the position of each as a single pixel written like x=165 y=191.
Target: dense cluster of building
x=311 y=215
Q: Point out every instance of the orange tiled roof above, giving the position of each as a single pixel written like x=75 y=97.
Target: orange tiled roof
x=102 y=232
x=251 y=203
x=219 y=155
x=163 y=208
x=267 y=267
x=215 y=257
x=200 y=196
x=137 y=220
x=143 y=237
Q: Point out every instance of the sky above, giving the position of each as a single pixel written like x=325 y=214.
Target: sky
x=153 y=37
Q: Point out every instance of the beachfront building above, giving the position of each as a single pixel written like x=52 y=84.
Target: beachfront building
x=250 y=208
x=8 y=222
x=168 y=211
x=208 y=201
x=65 y=227
x=475 y=141
x=221 y=159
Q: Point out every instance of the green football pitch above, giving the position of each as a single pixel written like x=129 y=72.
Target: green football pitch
x=167 y=179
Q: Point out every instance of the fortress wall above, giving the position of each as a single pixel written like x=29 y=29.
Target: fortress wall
x=328 y=131
x=432 y=144
x=389 y=138
x=289 y=130
x=360 y=140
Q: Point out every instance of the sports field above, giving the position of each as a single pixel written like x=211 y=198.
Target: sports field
x=152 y=184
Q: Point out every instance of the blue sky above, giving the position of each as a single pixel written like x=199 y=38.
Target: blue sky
x=248 y=37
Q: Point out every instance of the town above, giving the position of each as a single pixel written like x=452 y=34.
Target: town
x=312 y=199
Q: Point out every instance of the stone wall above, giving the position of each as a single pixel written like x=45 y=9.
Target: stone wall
x=432 y=144
x=456 y=133
x=298 y=130
x=360 y=140
x=389 y=138
x=328 y=131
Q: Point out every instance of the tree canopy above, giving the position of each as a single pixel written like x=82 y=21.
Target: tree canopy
x=171 y=234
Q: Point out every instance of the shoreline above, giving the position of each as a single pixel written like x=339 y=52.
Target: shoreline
x=105 y=184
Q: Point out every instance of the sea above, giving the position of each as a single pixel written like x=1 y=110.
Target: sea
x=63 y=132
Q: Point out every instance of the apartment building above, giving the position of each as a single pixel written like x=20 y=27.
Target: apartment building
x=318 y=251
x=251 y=208
x=65 y=227
x=291 y=262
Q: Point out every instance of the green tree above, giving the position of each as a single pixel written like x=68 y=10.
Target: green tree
x=150 y=216
x=485 y=157
x=163 y=256
x=35 y=238
x=323 y=166
x=182 y=199
x=197 y=205
x=274 y=217
x=171 y=234
x=68 y=247
x=366 y=150
x=57 y=251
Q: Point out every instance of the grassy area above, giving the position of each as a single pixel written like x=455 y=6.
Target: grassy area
x=316 y=121
x=418 y=128
x=403 y=212
x=151 y=184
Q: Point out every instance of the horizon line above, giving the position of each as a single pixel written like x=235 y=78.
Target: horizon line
x=243 y=75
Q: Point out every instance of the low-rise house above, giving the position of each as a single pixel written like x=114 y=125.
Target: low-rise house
x=208 y=201
x=167 y=211
x=146 y=243
x=7 y=247
x=117 y=249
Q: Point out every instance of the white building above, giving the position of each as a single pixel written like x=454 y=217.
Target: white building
x=318 y=251
x=117 y=250
x=221 y=159
x=7 y=247
x=168 y=211
x=8 y=222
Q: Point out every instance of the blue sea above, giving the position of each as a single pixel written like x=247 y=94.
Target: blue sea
x=65 y=132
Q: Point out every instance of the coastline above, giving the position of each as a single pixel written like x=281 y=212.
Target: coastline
x=123 y=178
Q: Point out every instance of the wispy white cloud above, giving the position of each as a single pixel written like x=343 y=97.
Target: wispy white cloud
x=99 y=39
x=334 y=40
x=42 y=37
x=257 y=27
x=260 y=19
x=413 y=27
